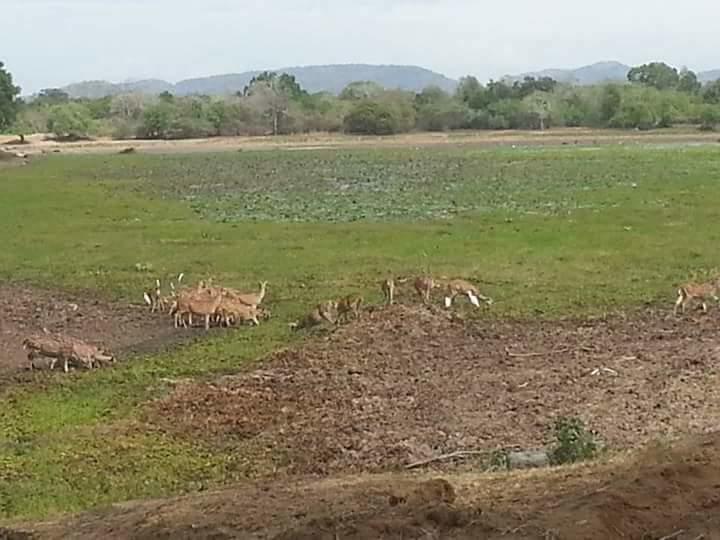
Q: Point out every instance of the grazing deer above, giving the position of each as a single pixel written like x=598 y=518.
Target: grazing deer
x=424 y=286
x=323 y=312
x=348 y=305
x=697 y=291
x=388 y=290
x=455 y=287
x=232 y=311
x=193 y=303
x=64 y=348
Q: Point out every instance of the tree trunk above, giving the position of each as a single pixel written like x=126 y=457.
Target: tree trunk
x=275 y=122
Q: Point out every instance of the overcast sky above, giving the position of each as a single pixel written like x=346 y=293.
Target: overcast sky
x=48 y=43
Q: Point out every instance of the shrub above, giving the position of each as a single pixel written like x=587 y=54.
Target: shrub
x=371 y=118
x=573 y=442
x=69 y=121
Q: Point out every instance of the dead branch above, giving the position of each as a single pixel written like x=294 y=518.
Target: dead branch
x=532 y=354
x=446 y=457
x=673 y=535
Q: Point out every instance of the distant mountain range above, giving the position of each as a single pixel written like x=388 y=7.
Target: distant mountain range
x=333 y=78
x=597 y=73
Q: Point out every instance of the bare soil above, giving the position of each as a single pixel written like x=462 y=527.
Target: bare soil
x=408 y=383
x=657 y=493
x=40 y=143
x=125 y=329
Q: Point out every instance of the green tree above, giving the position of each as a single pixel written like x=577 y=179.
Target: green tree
x=372 y=118
x=688 y=82
x=709 y=117
x=8 y=99
x=69 y=121
x=530 y=85
x=157 y=120
x=271 y=95
x=359 y=90
x=52 y=96
x=610 y=102
x=656 y=74
x=538 y=103
x=711 y=92
x=472 y=93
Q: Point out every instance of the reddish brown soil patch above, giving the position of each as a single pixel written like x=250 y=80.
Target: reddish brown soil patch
x=656 y=494
x=124 y=329
x=407 y=383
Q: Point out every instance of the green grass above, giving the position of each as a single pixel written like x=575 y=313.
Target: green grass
x=546 y=232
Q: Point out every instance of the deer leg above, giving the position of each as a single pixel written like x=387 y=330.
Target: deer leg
x=473 y=299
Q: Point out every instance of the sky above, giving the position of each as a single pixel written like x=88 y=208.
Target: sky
x=50 y=43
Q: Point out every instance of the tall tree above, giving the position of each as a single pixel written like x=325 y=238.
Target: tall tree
x=358 y=90
x=711 y=92
x=272 y=95
x=656 y=74
x=8 y=98
x=688 y=82
x=52 y=96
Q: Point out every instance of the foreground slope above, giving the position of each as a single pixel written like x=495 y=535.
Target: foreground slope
x=654 y=494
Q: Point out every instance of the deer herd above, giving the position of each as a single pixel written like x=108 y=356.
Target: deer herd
x=225 y=306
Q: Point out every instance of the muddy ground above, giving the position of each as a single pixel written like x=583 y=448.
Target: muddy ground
x=408 y=383
x=658 y=493
x=125 y=329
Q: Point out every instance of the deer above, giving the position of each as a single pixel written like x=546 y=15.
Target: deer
x=64 y=348
x=349 y=305
x=699 y=291
x=455 y=287
x=252 y=299
x=192 y=303
x=424 y=286
x=323 y=312
x=388 y=289
x=156 y=301
x=231 y=310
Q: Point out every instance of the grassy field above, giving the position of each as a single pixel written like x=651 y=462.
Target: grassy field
x=546 y=232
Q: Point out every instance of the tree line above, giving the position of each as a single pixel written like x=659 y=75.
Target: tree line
x=655 y=96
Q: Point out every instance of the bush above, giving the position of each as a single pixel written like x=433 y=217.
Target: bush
x=442 y=116
x=709 y=118
x=69 y=121
x=371 y=118
x=573 y=442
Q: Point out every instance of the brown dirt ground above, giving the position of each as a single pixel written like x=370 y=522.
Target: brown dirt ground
x=123 y=328
x=653 y=494
x=39 y=144
x=408 y=383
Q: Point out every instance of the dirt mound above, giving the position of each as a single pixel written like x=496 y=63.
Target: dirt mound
x=657 y=493
x=122 y=328
x=406 y=384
